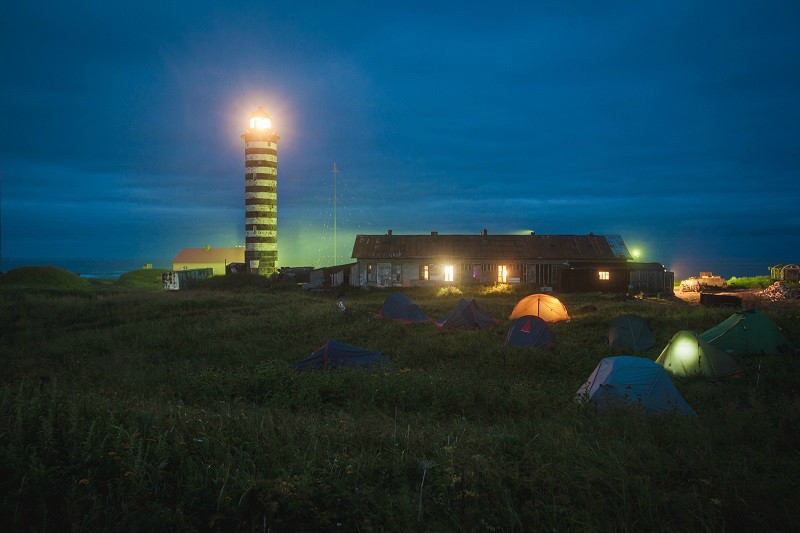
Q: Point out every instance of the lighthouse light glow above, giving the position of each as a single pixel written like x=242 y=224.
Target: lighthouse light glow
x=260 y=123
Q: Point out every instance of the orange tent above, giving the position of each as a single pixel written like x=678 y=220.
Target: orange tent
x=548 y=308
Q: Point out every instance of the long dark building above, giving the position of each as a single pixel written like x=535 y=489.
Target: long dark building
x=568 y=263
x=261 y=194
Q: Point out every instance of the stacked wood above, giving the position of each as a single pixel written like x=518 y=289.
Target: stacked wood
x=778 y=291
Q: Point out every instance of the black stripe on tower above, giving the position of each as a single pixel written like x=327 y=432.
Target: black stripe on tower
x=256 y=151
x=262 y=240
x=259 y=176
x=261 y=227
x=260 y=201
x=251 y=211
x=260 y=163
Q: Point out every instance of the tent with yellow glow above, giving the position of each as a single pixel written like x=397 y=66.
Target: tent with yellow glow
x=548 y=308
x=689 y=355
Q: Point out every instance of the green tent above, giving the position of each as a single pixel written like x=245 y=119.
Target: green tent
x=748 y=332
x=687 y=354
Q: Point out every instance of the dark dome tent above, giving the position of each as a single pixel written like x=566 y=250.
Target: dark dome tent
x=748 y=333
x=398 y=307
x=687 y=355
x=633 y=382
x=529 y=332
x=334 y=354
x=630 y=332
x=466 y=315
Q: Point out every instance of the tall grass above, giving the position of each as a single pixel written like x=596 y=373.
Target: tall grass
x=151 y=410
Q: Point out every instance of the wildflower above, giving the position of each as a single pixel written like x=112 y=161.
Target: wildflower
x=715 y=501
x=83 y=482
x=128 y=474
x=112 y=454
x=182 y=443
x=227 y=498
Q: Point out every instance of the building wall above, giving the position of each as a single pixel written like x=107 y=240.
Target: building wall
x=790 y=273
x=219 y=268
x=589 y=280
x=652 y=281
x=385 y=273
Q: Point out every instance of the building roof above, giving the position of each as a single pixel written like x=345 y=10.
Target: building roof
x=211 y=255
x=567 y=247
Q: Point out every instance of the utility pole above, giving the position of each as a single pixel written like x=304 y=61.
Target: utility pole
x=335 y=172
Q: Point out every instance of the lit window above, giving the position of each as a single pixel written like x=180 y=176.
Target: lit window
x=425 y=274
x=260 y=123
x=502 y=274
x=603 y=274
x=448 y=273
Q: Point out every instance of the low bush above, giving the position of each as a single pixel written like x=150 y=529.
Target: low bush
x=755 y=282
x=449 y=290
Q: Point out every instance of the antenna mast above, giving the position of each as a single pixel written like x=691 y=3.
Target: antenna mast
x=335 y=172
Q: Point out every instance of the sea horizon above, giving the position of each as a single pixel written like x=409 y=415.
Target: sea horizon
x=87 y=268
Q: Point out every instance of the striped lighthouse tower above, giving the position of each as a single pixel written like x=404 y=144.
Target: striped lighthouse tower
x=261 y=194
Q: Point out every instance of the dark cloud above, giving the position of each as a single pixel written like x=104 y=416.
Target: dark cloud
x=674 y=125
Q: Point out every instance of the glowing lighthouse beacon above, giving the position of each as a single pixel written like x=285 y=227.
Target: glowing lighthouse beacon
x=261 y=194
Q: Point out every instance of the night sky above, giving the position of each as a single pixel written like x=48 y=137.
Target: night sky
x=673 y=124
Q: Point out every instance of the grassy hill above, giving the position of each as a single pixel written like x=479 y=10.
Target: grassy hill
x=155 y=410
x=142 y=279
x=43 y=277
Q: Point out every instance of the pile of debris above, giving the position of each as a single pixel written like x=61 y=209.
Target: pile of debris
x=778 y=291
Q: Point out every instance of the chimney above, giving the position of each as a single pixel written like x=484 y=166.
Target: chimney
x=389 y=232
x=434 y=233
x=486 y=231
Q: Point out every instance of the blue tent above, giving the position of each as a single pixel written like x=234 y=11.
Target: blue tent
x=466 y=315
x=626 y=381
x=529 y=332
x=335 y=354
x=398 y=307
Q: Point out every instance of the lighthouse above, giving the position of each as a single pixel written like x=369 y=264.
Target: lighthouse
x=261 y=194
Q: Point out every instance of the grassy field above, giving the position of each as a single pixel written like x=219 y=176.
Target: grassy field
x=139 y=409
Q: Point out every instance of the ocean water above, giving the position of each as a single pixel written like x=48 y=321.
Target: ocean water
x=88 y=268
